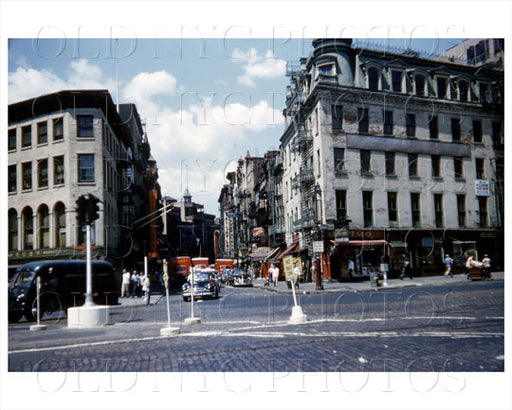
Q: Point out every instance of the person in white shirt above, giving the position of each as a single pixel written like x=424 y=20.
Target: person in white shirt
x=125 y=285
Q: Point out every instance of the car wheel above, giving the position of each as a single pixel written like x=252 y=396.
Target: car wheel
x=186 y=299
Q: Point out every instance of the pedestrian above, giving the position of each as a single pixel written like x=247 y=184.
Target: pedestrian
x=125 y=284
x=135 y=283
x=275 y=274
x=487 y=266
x=406 y=268
x=146 y=288
x=351 y=268
x=448 y=263
x=296 y=274
x=467 y=263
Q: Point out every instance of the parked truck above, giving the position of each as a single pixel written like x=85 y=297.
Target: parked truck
x=200 y=263
x=179 y=268
x=222 y=264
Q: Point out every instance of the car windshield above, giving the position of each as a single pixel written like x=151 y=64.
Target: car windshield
x=22 y=278
x=200 y=276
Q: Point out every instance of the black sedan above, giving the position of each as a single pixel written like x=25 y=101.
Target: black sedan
x=206 y=285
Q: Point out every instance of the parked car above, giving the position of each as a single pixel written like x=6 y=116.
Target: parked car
x=241 y=278
x=206 y=285
x=63 y=285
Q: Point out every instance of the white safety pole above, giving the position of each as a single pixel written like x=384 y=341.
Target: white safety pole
x=39 y=326
x=88 y=268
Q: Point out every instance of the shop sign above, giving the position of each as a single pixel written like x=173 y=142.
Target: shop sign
x=318 y=246
x=258 y=232
x=482 y=187
x=288 y=262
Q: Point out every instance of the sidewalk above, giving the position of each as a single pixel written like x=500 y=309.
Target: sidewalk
x=335 y=286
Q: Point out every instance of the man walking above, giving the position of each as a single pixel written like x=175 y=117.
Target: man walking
x=275 y=274
x=448 y=263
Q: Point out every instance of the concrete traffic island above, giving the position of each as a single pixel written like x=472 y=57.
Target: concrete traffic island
x=88 y=316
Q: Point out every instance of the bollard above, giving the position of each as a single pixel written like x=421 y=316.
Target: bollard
x=38 y=326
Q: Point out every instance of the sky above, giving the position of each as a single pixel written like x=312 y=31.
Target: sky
x=205 y=102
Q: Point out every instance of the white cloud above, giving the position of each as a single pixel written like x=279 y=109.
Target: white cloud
x=258 y=67
x=192 y=144
x=27 y=82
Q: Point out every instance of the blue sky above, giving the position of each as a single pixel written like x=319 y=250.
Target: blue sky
x=205 y=103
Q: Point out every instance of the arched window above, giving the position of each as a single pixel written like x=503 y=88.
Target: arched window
x=59 y=215
x=43 y=223
x=13 y=230
x=27 y=220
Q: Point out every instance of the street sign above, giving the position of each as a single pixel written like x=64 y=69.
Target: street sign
x=318 y=246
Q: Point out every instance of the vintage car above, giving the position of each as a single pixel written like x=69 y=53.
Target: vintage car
x=241 y=278
x=206 y=285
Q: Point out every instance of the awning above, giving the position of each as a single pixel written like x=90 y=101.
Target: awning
x=369 y=242
x=279 y=255
x=260 y=254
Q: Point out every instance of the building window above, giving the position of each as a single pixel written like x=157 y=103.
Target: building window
x=341 y=204
x=392 y=207
x=44 y=227
x=13 y=230
x=84 y=126
x=13 y=180
x=480 y=168
x=373 y=78
x=436 y=166
x=337 y=117
x=339 y=160
x=482 y=210
x=485 y=94
x=27 y=220
x=456 y=129
x=477 y=131
x=415 y=209
x=497 y=137
x=433 y=125
x=458 y=165
x=12 y=142
x=413 y=165
x=365 y=161
x=58 y=132
x=396 y=81
x=26 y=136
x=362 y=115
x=388 y=122
x=42 y=173
x=390 y=163
x=438 y=210
x=410 y=125
x=85 y=167
x=442 y=87
x=463 y=90
x=368 y=208
x=318 y=163
x=42 y=132
x=461 y=210
x=26 y=172
x=58 y=170
x=419 y=81
x=60 y=225
x=327 y=70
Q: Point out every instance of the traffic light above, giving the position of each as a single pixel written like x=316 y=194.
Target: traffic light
x=92 y=208
x=81 y=211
